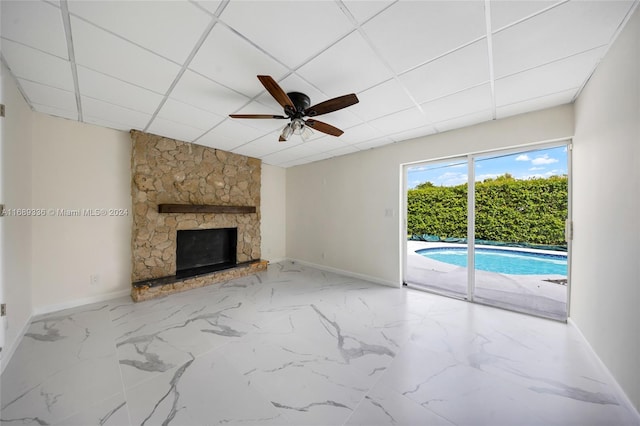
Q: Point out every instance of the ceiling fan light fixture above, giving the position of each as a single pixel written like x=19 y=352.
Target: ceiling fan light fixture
x=287 y=131
x=306 y=133
x=296 y=127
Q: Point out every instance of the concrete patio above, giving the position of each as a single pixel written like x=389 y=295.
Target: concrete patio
x=525 y=293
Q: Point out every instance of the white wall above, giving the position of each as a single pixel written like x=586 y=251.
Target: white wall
x=79 y=166
x=336 y=208
x=605 y=300
x=273 y=223
x=15 y=182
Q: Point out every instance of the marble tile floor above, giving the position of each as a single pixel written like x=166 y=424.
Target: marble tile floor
x=298 y=346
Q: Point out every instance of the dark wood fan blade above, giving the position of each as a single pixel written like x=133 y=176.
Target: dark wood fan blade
x=276 y=91
x=281 y=139
x=323 y=127
x=331 y=105
x=255 y=116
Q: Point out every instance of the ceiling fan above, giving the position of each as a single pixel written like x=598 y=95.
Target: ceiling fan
x=297 y=106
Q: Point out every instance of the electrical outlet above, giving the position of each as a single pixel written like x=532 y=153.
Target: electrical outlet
x=95 y=279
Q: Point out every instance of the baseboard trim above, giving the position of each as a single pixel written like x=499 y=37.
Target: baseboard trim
x=351 y=274
x=6 y=356
x=620 y=393
x=41 y=310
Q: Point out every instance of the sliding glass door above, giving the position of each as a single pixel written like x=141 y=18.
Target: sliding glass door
x=437 y=226
x=490 y=228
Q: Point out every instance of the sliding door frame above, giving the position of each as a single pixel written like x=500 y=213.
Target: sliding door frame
x=471 y=158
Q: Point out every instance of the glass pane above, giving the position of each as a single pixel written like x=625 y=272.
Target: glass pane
x=521 y=203
x=437 y=224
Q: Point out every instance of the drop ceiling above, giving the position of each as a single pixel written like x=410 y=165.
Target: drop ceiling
x=178 y=68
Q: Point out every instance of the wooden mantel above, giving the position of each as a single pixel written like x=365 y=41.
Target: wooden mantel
x=204 y=208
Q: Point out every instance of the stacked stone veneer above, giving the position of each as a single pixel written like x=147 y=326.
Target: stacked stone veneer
x=166 y=171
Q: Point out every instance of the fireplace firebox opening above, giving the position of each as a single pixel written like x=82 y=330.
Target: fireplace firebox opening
x=205 y=250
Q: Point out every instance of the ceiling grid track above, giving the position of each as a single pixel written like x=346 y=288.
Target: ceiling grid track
x=64 y=9
x=492 y=79
x=187 y=61
x=395 y=77
x=628 y=16
x=18 y=85
x=418 y=68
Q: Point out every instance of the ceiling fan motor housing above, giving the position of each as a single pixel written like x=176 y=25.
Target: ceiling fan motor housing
x=300 y=101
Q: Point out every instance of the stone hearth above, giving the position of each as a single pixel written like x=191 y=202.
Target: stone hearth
x=167 y=171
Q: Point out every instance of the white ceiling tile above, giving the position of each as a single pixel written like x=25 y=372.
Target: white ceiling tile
x=464 y=121
x=123 y=84
x=464 y=68
x=306 y=160
x=383 y=99
x=326 y=143
x=505 y=12
x=56 y=112
x=375 y=143
x=363 y=9
x=343 y=119
x=279 y=158
x=291 y=37
x=109 y=89
x=350 y=66
x=565 y=30
x=348 y=149
x=99 y=112
x=413 y=133
x=182 y=113
x=265 y=145
x=535 y=104
x=360 y=133
x=302 y=149
x=50 y=96
x=120 y=58
x=36 y=24
x=545 y=80
x=459 y=104
x=169 y=28
x=196 y=90
x=173 y=130
x=209 y=5
x=410 y=33
x=230 y=134
x=228 y=59
x=34 y=65
x=399 y=121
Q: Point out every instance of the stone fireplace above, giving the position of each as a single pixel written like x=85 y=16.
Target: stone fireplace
x=196 y=215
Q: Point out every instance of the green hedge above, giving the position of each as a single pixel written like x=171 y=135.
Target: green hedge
x=507 y=210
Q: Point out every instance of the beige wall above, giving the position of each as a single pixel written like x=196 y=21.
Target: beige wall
x=79 y=166
x=15 y=187
x=605 y=298
x=273 y=223
x=336 y=208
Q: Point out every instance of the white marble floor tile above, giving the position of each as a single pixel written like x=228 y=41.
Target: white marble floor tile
x=298 y=346
x=202 y=391
x=65 y=362
x=110 y=412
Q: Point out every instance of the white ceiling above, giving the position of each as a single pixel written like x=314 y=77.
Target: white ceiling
x=178 y=68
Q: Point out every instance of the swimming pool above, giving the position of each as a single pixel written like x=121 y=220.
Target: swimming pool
x=502 y=261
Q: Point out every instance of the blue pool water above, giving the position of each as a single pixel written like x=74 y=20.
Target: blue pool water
x=502 y=261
